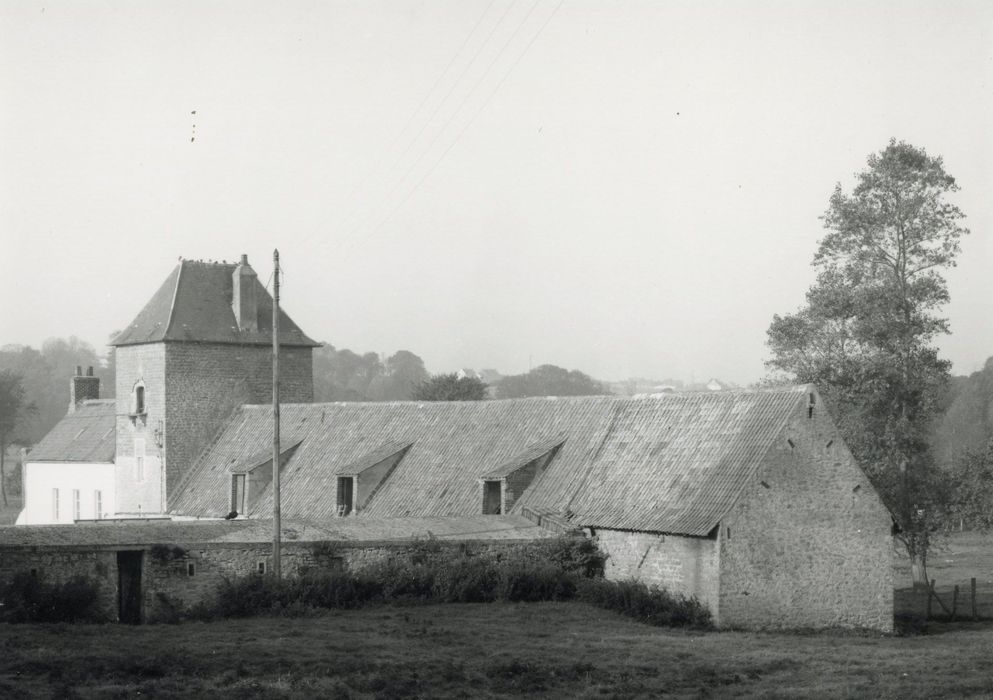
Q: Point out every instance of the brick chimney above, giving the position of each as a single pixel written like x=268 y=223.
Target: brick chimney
x=243 y=302
x=83 y=388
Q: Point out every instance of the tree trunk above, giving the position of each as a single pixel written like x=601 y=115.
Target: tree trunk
x=3 y=485
x=917 y=570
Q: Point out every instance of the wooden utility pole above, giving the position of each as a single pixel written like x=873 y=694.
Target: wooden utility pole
x=276 y=544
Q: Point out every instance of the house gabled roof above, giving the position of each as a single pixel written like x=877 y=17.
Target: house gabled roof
x=674 y=463
x=85 y=435
x=194 y=305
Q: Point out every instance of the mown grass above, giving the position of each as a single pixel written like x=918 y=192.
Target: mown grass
x=560 y=650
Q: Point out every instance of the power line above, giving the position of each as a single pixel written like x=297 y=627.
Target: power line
x=471 y=120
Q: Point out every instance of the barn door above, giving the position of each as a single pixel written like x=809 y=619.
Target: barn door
x=129 y=587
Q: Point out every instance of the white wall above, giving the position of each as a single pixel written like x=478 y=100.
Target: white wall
x=41 y=478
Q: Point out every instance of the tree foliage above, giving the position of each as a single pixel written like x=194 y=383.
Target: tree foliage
x=549 y=380
x=15 y=408
x=343 y=375
x=866 y=333
x=450 y=387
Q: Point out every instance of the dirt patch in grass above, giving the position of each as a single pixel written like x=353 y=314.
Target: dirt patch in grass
x=558 y=650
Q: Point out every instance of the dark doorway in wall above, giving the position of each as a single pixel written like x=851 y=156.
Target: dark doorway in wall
x=129 y=587
x=491 y=498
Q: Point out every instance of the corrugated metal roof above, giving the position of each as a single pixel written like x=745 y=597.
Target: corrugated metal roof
x=194 y=305
x=674 y=463
x=110 y=533
x=85 y=435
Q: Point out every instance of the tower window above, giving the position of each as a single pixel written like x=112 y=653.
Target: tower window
x=138 y=399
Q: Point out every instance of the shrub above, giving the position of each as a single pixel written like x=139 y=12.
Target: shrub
x=649 y=604
x=535 y=582
x=31 y=599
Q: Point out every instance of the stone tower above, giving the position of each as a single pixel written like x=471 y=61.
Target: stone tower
x=200 y=348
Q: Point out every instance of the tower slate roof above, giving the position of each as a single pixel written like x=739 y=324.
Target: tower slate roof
x=194 y=305
x=675 y=463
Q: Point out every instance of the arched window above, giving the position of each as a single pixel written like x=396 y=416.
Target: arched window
x=138 y=399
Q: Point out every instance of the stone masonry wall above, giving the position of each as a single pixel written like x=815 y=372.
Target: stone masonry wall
x=682 y=565
x=60 y=565
x=146 y=363
x=206 y=382
x=809 y=543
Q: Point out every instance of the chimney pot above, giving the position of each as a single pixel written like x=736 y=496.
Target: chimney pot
x=244 y=259
x=79 y=371
x=89 y=371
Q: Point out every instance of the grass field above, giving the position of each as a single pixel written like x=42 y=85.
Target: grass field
x=481 y=650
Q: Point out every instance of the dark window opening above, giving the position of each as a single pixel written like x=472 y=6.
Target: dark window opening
x=346 y=495
x=261 y=567
x=238 y=493
x=139 y=399
x=492 y=493
x=191 y=569
x=830 y=442
x=729 y=533
x=764 y=484
x=792 y=444
x=810 y=405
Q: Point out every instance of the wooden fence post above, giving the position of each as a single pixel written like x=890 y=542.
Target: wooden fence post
x=972 y=585
x=955 y=602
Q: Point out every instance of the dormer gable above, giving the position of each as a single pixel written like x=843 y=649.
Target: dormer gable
x=502 y=486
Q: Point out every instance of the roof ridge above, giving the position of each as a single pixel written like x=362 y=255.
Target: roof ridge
x=172 y=304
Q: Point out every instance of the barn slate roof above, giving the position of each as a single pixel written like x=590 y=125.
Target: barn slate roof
x=194 y=305
x=674 y=463
x=85 y=435
x=123 y=533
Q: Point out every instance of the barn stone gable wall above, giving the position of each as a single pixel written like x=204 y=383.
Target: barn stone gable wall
x=205 y=382
x=808 y=543
x=146 y=363
x=682 y=565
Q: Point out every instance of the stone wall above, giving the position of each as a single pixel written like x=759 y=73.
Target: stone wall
x=60 y=565
x=206 y=382
x=682 y=565
x=145 y=363
x=809 y=543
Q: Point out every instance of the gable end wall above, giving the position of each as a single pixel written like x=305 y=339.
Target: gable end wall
x=810 y=550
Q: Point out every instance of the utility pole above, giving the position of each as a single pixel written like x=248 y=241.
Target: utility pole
x=276 y=544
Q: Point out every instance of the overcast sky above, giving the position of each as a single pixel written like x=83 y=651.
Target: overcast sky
x=626 y=188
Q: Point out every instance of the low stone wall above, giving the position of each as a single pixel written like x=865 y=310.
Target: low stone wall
x=176 y=576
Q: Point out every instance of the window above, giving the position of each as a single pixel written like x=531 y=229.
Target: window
x=346 y=495
x=492 y=497
x=139 y=460
x=238 y=493
x=75 y=504
x=98 y=505
x=191 y=569
x=55 y=505
x=261 y=567
x=139 y=399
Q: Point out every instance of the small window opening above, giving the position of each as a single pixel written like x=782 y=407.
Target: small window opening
x=492 y=493
x=792 y=444
x=238 y=493
x=830 y=442
x=346 y=495
x=191 y=569
x=261 y=567
x=810 y=405
x=139 y=399
x=764 y=484
x=729 y=532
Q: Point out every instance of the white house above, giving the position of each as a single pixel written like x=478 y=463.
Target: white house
x=69 y=475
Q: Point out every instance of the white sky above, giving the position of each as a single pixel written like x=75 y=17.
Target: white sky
x=630 y=189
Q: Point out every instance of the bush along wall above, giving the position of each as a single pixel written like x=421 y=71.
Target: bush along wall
x=29 y=598
x=565 y=568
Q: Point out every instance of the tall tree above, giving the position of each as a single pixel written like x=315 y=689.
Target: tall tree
x=866 y=334
x=549 y=380
x=450 y=387
x=14 y=409
x=404 y=371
